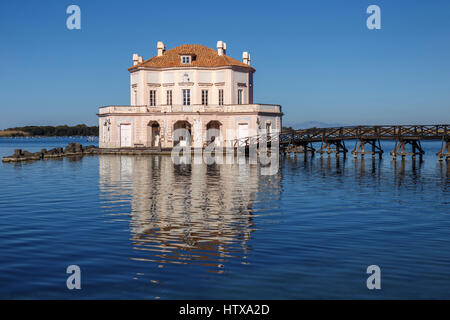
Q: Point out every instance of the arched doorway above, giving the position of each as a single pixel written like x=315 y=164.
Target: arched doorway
x=182 y=137
x=213 y=132
x=153 y=134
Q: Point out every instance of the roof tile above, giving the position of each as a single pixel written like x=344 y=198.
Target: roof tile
x=204 y=57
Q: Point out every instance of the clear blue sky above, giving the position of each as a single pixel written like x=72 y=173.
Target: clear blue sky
x=315 y=58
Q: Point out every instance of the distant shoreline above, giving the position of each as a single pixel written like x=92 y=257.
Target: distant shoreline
x=80 y=130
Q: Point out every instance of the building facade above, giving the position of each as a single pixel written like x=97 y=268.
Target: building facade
x=190 y=87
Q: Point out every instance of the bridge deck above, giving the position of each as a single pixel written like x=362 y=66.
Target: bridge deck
x=422 y=132
x=332 y=139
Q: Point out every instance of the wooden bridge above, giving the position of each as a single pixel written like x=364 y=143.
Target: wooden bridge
x=332 y=140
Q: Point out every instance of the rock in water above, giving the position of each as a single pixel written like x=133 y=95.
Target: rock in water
x=17 y=153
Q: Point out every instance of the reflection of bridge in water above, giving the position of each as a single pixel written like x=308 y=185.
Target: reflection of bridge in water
x=185 y=214
x=333 y=140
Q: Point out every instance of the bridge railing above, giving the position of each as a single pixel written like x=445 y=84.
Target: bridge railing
x=372 y=132
x=255 y=140
x=332 y=139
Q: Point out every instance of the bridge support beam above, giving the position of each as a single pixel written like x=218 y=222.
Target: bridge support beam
x=400 y=148
x=445 y=150
x=302 y=147
x=360 y=148
x=333 y=146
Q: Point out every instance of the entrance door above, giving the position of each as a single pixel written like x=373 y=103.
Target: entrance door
x=242 y=133
x=153 y=139
x=125 y=135
x=155 y=135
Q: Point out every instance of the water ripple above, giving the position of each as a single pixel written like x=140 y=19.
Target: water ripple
x=142 y=227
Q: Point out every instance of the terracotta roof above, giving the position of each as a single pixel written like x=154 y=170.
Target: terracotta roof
x=204 y=57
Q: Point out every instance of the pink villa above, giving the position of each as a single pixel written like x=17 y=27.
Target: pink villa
x=192 y=87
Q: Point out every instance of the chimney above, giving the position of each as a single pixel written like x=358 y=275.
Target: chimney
x=161 y=48
x=221 y=48
x=140 y=59
x=246 y=57
x=135 y=59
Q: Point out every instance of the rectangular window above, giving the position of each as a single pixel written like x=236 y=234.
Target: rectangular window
x=185 y=59
x=135 y=97
x=186 y=97
x=152 y=99
x=169 y=97
x=221 y=97
x=205 y=97
x=240 y=96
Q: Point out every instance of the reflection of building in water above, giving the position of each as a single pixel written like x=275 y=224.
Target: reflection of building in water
x=184 y=213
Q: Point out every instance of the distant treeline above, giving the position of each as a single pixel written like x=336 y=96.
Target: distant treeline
x=50 y=131
x=284 y=129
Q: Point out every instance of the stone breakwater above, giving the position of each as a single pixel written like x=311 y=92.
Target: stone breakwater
x=72 y=149
x=76 y=149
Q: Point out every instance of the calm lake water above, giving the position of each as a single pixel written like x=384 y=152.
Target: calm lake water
x=142 y=227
